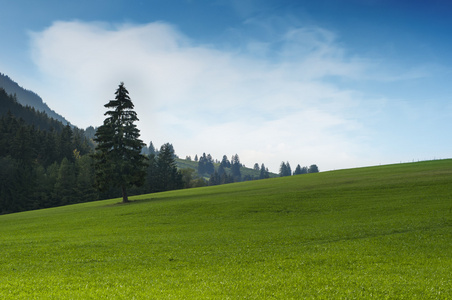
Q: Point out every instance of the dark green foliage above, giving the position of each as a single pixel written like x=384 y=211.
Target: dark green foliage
x=65 y=184
x=168 y=177
x=288 y=169
x=65 y=144
x=162 y=172
x=210 y=169
x=305 y=170
x=297 y=170
x=11 y=181
x=151 y=174
x=22 y=145
x=205 y=165
x=235 y=168
x=28 y=143
x=227 y=172
x=216 y=178
x=188 y=176
x=118 y=158
x=45 y=192
x=221 y=170
x=85 y=190
x=282 y=169
x=37 y=159
x=300 y=170
x=44 y=163
x=225 y=163
x=264 y=172
x=313 y=169
x=26 y=186
x=285 y=170
x=202 y=164
x=82 y=142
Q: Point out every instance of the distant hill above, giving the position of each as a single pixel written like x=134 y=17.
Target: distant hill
x=27 y=97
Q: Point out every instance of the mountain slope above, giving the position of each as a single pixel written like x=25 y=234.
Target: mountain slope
x=379 y=232
x=26 y=97
x=38 y=119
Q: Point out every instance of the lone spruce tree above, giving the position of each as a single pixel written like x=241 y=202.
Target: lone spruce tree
x=118 y=159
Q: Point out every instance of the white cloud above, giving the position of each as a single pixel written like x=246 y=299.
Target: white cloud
x=203 y=99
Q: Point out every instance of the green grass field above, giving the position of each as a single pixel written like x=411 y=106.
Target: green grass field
x=379 y=232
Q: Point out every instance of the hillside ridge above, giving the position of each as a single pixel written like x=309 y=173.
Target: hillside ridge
x=28 y=98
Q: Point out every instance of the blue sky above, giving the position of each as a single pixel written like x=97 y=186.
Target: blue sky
x=339 y=84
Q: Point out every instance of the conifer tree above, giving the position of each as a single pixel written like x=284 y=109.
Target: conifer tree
x=152 y=149
x=298 y=170
x=225 y=162
x=169 y=178
x=202 y=164
x=313 y=169
x=264 y=172
x=210 y=168
x=119 y=161
x=288 y=169
x=282 y=169
x=235 y=168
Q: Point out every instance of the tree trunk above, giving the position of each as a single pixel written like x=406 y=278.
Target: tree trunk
x=125 y=199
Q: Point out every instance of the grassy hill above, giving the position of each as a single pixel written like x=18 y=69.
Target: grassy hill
x=379 y=232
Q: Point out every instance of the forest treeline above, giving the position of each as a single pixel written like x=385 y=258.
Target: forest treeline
x=44 y=163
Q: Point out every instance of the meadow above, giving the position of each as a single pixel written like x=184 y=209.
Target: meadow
x=378 y=232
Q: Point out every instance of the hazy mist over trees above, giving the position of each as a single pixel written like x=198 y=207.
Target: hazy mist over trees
x=28 y=98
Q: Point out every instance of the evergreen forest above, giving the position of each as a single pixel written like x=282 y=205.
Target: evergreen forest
x=45 y=163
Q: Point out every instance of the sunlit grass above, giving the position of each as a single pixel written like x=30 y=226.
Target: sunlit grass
x=381 y=232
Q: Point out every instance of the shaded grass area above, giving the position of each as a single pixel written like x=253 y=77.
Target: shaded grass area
x=380 y=232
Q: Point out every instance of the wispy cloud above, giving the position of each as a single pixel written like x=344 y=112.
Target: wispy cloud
x=276 y=105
